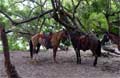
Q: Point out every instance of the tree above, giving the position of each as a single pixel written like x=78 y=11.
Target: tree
x=10 y=69
x=31 y=16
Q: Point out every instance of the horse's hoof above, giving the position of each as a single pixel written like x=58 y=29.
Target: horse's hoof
x=34 y=62
x=94 y=65
x=56 y=62
x=78 y=62
x=31 y=61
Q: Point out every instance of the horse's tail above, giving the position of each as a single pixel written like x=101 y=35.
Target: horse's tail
x=99 y=48
x=31 y=48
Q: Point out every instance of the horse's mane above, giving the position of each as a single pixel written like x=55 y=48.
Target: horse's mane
x=92 y=36
x=114 y=34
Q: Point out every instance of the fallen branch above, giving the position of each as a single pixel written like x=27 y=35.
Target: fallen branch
x=110 y=50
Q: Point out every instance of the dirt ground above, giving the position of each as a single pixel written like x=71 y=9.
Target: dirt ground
x=107 y=67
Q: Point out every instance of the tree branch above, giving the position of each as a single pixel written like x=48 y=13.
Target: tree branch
x=64 y=17
x=28 y=20
x=7 y=16
x=111 y=50
x=9 y=31
x=114 y=13
x=42 y=24
x=75 y=7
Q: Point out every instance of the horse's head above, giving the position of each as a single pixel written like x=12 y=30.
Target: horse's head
x=105 y=38
x=65 y=34
x=65 y=37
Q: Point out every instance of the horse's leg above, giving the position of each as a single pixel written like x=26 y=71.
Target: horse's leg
x=54 y=54
x=97 y=53
x=31 y=49
x=38 y=48
x=119 y=47
x=36 y=51
x=77 y=51
x=78 y=56
x=96 y=57
x=95 y=61
x=33 y=59
x=93 y=54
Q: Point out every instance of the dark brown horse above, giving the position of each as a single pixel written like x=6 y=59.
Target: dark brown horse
x=86 y=42
x=49 y=41
x=110 y=36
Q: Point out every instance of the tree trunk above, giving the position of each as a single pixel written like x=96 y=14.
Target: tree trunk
x=10 y=69
x=65 y=18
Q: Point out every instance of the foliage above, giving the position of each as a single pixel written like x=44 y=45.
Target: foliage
x=91 y=13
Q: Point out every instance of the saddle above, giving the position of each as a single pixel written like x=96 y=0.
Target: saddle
x=47 y=39
x=84 y=42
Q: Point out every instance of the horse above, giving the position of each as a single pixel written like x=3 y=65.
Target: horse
x=85 y=42
x=50 y=41
x=110 y=36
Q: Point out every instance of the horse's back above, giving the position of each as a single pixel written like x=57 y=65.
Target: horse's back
x=115 y=39
x=93 y=41
x=35 y=39
x=55 y=38
x=87 y=41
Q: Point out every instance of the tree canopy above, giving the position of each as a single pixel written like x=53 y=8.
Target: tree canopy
x=23 y=18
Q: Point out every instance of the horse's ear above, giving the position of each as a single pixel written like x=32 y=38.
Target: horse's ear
x=63 y=29
x=106 y=32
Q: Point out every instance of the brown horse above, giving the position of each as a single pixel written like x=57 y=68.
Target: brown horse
x=49 y=41
x=84 y=42
x=110 y=36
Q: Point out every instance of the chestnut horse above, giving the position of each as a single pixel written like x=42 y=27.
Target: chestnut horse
x=49 y=41
x=85 y=42
x=110 y=36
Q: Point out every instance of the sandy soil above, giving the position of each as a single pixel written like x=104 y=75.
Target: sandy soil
x=107 y=67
